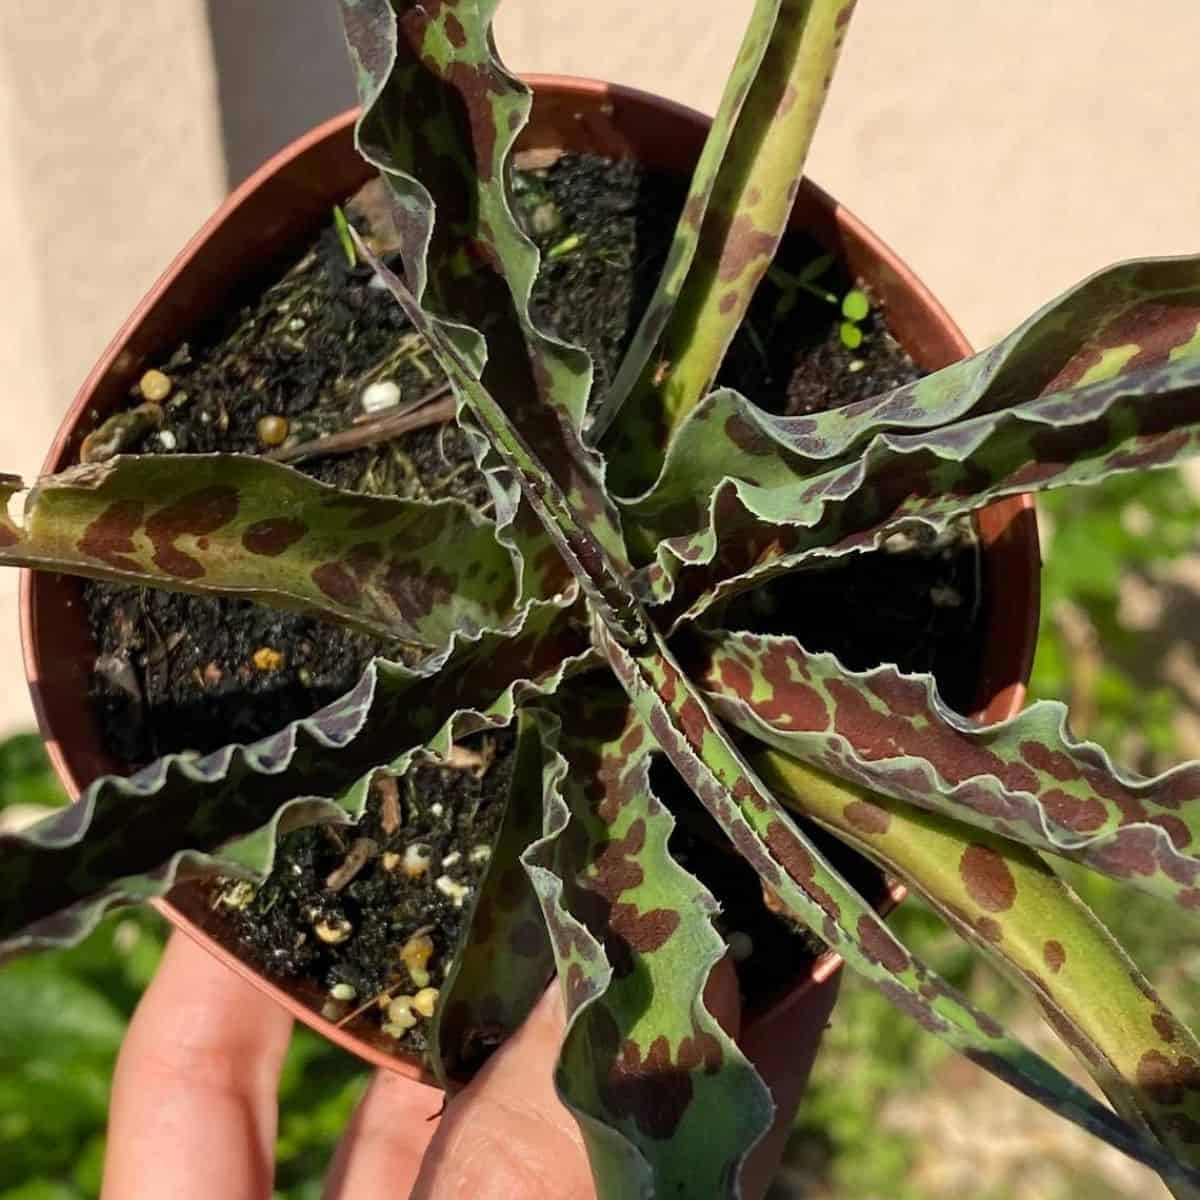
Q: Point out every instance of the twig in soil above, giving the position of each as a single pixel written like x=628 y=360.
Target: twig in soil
x=388 y=791
x=362 y=850
x=434 y=408
x=366 y=1004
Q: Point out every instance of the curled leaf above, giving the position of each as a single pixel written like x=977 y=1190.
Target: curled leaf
x=663 y=1095
x=236 y=525
x=1026 y=779
x=127 y=840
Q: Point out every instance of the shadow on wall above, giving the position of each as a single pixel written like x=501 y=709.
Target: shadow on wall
x=281 y=68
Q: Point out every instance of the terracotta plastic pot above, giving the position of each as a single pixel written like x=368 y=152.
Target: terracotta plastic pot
x=266 y=221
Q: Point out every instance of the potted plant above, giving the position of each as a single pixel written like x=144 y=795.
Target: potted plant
x=609 y=601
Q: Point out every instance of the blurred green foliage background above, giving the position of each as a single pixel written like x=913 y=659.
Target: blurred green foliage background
x=889 y=1114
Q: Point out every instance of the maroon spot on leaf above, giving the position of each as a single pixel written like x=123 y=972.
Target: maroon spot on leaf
x=987 y=878
x=477 y=87
x=693 y=211
x=1054 y=954
x=919 y=1010
x=792 y=702
x=632 y=740
x=1165 y=1081
x=700 y=1050
x=735 y=678
x=1153 y=451
x=747 y=437
x=415 y=592
x=990 y=930
x=644 y=931
x=903 y=697
x=753 y=196
x=455 y=34
x=1131 y=852
x=1189 y=898
x=1176 y=830
x=203 y=511
x=694 y=722
x=795 y=859
x=728 y=302
x=1050 y=762
x=867 y=818
x=270 y=538
x=109 y=537
x=337 y=583
x=1080 y=814
x=652 y=1090
x=1164 y=1027
x=8 y=536
x=879 y=736
x=879 y=947
x=577 y=988
x=744 y=244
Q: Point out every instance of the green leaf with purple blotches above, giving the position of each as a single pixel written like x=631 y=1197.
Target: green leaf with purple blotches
x=734 y=232
x=1026 y=778
x=1106 y=379
x=225 y=524
x=1008 y=903
x=686 y=240
x=667 y=1103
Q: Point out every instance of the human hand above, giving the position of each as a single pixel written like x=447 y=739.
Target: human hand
x=194 y=1114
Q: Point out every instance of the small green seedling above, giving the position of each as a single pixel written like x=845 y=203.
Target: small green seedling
x=855 y=307
x=342 y=226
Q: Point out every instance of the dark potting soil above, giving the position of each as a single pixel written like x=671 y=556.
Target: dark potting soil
x=177 y=672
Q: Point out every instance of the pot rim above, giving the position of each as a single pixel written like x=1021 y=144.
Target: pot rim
x=1007 y=529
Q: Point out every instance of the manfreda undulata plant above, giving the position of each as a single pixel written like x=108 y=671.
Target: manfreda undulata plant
x=587 y=615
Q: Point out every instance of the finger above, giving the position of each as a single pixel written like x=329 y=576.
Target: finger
x=380 y=1153
x=193 y=1110
x=782 y=1048
x=507 y=1134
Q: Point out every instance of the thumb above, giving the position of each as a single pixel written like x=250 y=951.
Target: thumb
x=507 y=1133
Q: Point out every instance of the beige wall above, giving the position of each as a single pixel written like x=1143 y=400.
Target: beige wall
x=1004 y=149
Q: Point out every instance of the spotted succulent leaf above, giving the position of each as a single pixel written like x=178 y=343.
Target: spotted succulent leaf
x=505 y=960
x=791 y=865
x=775 y=96
x=415 y=572
x=1025 y=778
x=763 y=23
x=440 y=116
x=1004 y=899
x=662 y=1093
x=127 y=840
x=1102 y=381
